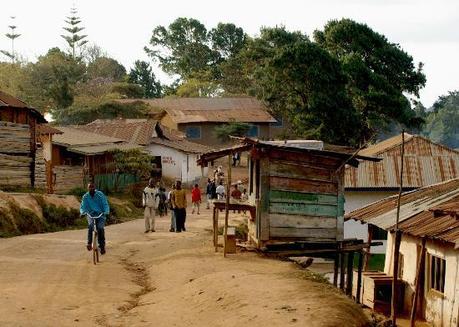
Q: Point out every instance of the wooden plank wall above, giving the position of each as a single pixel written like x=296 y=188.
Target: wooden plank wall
x=67 y=178
x=304 y=200
x=16 y=159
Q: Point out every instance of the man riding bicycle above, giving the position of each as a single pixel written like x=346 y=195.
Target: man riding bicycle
x=94 y=203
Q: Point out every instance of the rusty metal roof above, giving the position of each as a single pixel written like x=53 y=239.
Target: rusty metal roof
x=76 y=137
x=47 y=129
x=425 y=163
x=382 y=213
x=199 y=110
x=137 y=131
x=7 y=100
x=182 y=145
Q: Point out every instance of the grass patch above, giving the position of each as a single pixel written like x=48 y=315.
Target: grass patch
x=310 y=275
x=242 y=231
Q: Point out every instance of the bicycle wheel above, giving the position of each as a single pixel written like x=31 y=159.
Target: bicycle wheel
x=95 y=250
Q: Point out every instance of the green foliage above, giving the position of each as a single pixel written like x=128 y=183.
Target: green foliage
x=302 y=81
x=442 y=122
x=51 y=80
x=142 y=74
x=83 y=113
x=182 y=47
x=77 y=191
x=379 y=74
x=106 y=68
x=135 y=162
x=8 y=226
x=128 y=90
x=194 y=87
x=57 y=217
x=223 y=132
x=27 y=222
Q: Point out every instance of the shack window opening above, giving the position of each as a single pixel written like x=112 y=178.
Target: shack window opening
x=437 y=273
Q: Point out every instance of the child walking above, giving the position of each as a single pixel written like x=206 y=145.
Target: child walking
x=195 y=198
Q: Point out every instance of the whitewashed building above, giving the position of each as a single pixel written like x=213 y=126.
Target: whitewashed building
x=176 y=156
x=425 y=162
x=428 y=216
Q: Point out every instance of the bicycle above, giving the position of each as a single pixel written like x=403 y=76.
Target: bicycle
x=95 y=246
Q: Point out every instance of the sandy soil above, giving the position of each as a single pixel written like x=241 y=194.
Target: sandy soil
x=158 y=279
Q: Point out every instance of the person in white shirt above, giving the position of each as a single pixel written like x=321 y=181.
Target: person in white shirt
x=169 y=202
x=220 y=191
x=150 y=203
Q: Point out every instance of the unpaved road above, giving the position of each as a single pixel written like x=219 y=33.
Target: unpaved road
x=157 y=279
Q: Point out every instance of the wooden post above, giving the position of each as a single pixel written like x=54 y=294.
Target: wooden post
x=368 y=250
x=215 y=227
x=394 y=303
x=228 y=185
x=359 y=277
x=336 y=269
x=418 y=281
x=341 y=270
x=350 y=266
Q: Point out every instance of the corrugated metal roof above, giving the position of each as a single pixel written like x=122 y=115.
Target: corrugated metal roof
x=197 y=110
x=182 y=145
x=47 y=129
x=416 y=216
x=138 y=131
x=425 y=163
x=7 y=100
x=102 y=148
x=76 y=137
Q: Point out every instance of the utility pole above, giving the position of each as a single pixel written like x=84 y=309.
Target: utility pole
x=397 y=239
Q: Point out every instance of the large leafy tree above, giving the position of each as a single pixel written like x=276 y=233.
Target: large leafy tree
x=182 y=48
x=142 y=74
x=300 y=80
x=106 y=67
x=52 y=79
x=379 y=74
x=442 y=122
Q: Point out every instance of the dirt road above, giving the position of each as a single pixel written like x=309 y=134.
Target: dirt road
x=157 y=279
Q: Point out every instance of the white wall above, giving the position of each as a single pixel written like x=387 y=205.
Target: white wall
x=355 y=229
x=47 y=147
x=441 y=310
x=177 y=164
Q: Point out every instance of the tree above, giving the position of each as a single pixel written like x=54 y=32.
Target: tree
x=142 y=74
x=12 y=36
x=442 y=122
x=379 y=74
x=182 y=48
x=74 y=39
x=106 y=68
x=223 y=132
x=227 y=40
x=51 y=80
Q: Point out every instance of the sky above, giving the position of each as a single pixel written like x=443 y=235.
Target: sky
x=426 y=29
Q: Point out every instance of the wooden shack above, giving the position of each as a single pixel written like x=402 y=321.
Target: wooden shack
x=296 y=189
x=18 y=134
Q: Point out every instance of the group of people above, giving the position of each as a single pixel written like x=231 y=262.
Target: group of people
x=156 y=201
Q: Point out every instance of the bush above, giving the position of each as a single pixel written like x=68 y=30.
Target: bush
x=77 y=191
x=27 y=221
x=7 y=226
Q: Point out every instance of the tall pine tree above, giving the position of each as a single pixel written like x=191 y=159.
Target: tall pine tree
x=12 y=36
x=74 y=39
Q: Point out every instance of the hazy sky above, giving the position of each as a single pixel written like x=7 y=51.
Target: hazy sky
x=428 y=30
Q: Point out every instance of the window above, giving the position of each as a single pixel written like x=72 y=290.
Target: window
x=193 y=132
x=437 y=273
x=379 y=233
x=253 y=131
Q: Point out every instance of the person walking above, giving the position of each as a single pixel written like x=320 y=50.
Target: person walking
x=220 y=190
x=195 y=198
x=179 y=204
x=210 y=189
x=169 y=202
x=94 y=202
x=150 y=203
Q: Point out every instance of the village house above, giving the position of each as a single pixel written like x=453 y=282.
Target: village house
x=425 y=162
x=429 y=248
x=176 y=156
x=19 y=130
x=79 y=157
x=198 y=117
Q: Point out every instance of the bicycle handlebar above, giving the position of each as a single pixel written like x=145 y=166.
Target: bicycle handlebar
x=100 y=215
